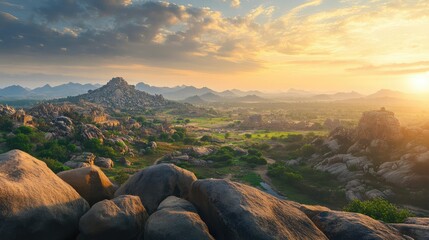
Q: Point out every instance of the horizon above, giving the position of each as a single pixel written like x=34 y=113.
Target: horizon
x=29 y=87
x=249 y=45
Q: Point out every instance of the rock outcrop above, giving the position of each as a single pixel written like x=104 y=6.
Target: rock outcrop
x=118 y=95
x=104 y=162
x=343 y=225
x=90 y=182
x=236 y=211
x=121 y=218
x=90 y=131
x=34 y=202
x=85 y=159
x=381 y=125
x=176 y=219
x=156 y=183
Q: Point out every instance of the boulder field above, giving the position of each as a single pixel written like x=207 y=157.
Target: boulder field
x=165 y=202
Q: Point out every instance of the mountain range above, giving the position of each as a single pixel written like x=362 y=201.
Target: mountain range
x=205 y=95
x=47 y=91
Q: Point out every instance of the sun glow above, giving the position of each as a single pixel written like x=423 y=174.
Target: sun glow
x=420 y=83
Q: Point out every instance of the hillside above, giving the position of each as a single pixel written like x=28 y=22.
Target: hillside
x=117 y=94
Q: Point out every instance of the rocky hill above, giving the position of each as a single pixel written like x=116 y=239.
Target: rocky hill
x=165 y=202
x=118 y=95
x=379 y=159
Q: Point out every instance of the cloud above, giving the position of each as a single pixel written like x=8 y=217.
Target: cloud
x=169 y=35
x=233 y=3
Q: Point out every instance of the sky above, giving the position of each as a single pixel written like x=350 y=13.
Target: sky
x=270 y=45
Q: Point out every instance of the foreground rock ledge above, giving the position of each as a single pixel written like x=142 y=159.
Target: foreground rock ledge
x=236 y=211
x=156 y=183
x=34 y=202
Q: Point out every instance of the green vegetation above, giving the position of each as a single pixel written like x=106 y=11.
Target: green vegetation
x=96 y=146
x=250 y=178
x=6 y=125
x=55 y=165
x=254 y=157
x=379 y=209
x=306 y=185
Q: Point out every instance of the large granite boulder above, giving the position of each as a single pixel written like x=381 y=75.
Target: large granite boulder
x=156 y=183
x=104 y=162
x=379 y=124
x=90 y=182
x=90 y=131
x=344 y=225
x=85 y=159
x=176 y=219
x=236 y=211
x=413 y=230
x=34 y=202
x=121 y=218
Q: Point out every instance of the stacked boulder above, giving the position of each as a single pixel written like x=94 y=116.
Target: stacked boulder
x=165 y=202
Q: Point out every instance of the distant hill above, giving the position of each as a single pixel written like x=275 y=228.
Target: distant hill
x=197 y=100
x=118 y=95
x=14 y=91
x=211 y=97
x=338 y=96
x=47 y=91
x=386 y=93
x=64 y=90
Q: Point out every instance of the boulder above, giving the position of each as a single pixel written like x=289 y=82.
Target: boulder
x=121 y=218
x=90 y=182
x=104 y=162
x=85 y=157
x=124 y=161
x=380 y=124
x=34 y=202
x=417 y=221
x=176 y=219
x=344 y=225
x=237 y=211
x=90 y=131
x=74 y=165
x=156 y=183
x=413 y=230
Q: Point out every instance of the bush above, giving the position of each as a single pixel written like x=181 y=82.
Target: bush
x=95 y=146
x=379 y=209
x=307 y=150
x=20 y=141
x=6 y=124
x=55 y=165
x=284 y=173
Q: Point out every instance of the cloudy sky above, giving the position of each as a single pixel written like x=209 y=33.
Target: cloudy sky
x=272 y=45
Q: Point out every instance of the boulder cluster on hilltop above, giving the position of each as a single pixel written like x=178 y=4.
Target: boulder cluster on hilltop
x=117 y=94
x=377 y=157
x=165 y=202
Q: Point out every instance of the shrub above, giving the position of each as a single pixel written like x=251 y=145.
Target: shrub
x=379 y=209
x=307 y=150
x=55 y=165
x=248 y=135
x=6 y=124
x=284 y=173
x=20 y=141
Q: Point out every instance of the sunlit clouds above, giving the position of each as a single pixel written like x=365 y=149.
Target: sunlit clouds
x=315 y=44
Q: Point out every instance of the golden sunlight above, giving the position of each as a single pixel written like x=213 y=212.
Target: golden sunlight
x=420 y=83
